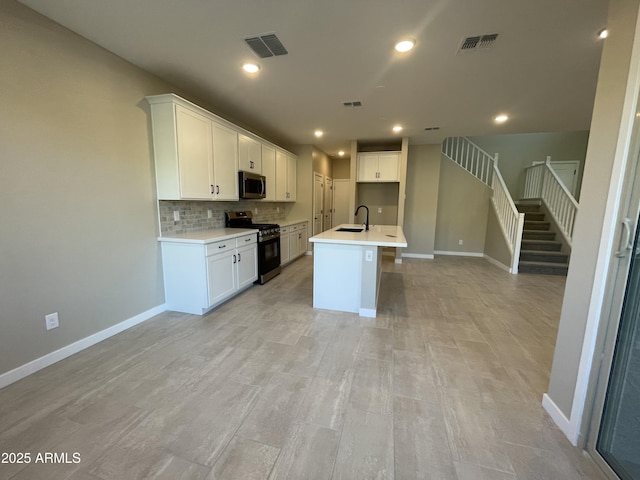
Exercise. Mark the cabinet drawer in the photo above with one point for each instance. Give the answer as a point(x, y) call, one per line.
point(294, 228)
point(221, 246)
point(284, 231)
point(247, 240)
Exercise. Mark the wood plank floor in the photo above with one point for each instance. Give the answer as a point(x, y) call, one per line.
point(445, 384)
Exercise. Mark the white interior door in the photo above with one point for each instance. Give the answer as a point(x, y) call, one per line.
point(568, 173)
point(340, 202)
point(318, 202)
point(328, 203)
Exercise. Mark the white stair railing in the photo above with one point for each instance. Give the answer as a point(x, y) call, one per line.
point(510, 219)
point(541, 182)
point(485, 168)
point(470, 157)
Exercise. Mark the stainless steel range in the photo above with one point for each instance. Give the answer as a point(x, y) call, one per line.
point(268, 243)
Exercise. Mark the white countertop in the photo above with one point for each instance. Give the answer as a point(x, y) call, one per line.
point(379, 235)
point(286, 223)
point(206, 236)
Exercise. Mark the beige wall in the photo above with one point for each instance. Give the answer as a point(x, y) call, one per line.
point(495, 245)
point(79, 214)
point(341, 168)
point(423, 177)
point(463, 203)
point(516, 152)
point(382, 201)
point(614, 111)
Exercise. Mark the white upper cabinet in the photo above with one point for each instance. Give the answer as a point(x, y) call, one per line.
point(225, 163)
point(378, 167)
point(269, 171)
point(195, 154)
point(198, 155)
point(250, 154)
point(286, 177)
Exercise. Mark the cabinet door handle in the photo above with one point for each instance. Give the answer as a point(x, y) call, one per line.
point(234, 259)
point(217, 189)
point(239, 257)
point(247, 239)
point(222, 246)
point(212, 191)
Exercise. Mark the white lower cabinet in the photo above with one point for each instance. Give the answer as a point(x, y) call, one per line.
point(293, 242)
point(199, 277)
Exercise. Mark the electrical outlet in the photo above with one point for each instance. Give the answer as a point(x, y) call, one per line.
point(460, 242)
point(277, 209)
point(368, 255)
point(176, 215)
point(379, 209)
point(51, 321)
point(255, 210)
point(209, 214)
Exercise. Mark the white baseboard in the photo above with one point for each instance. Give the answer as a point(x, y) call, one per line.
point(427, 256)
point(49, 359)
point(459, 254)
point(498, 264)
point(560, 419)
point(367, 312)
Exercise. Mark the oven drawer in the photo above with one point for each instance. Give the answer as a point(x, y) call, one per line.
point(221, 246)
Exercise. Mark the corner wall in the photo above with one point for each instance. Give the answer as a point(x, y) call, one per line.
point(423, 178)
point(79, 213)
point(463, 204)
point(595, 226)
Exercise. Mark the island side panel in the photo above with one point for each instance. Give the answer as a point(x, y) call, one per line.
point(337, 276)
point(371, 272)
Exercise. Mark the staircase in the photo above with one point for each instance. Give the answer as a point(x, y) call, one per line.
point(540, 251)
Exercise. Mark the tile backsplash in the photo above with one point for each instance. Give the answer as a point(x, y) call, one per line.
point(195, 215)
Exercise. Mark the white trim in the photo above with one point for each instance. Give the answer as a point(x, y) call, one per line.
point(367, 312)
point(418, 255)
point(49, 359)
point(459, 254)
point(567, 427)
point(498, 264)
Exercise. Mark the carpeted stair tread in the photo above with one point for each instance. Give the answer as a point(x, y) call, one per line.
point(543, 256)
point(543, 268)
point(542, 245)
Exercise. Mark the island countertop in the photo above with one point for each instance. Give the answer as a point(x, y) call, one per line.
point(378, 235)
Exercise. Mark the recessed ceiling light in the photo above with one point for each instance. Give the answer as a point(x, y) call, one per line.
point(318, 133)
point(397, 128)
point(251, 67)
point(501, 118)
point(604, 33)
point(405, 45)
point(341, 153)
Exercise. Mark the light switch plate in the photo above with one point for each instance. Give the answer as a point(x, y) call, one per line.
point(368, 255)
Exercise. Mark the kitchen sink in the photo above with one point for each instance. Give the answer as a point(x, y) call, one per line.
point(349, 229)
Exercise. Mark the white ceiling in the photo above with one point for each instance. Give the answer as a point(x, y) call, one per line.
point(541, 71)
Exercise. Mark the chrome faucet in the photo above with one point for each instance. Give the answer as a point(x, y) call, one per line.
point(367, 209)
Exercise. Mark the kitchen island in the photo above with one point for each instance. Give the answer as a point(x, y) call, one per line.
point(347, 266)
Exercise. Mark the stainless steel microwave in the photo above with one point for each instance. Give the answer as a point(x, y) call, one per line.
point(252, 185)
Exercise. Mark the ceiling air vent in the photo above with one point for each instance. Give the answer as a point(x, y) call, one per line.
point(357, 103)
point(471, 44)
point(267, 45)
